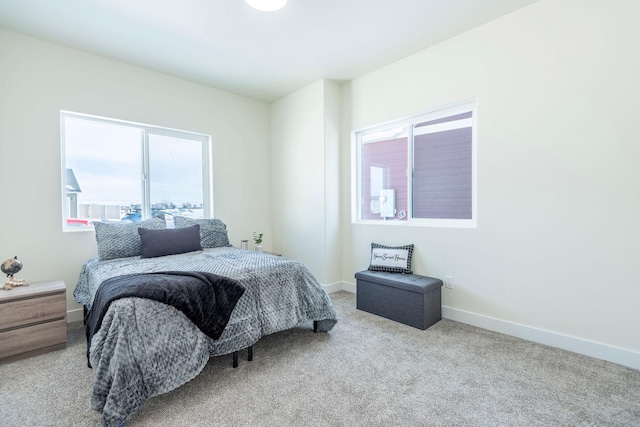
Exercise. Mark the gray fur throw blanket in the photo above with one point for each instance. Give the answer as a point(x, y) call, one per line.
point(205, 298)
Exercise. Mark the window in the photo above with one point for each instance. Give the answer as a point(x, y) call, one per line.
point(419, 170)
point(121, 171)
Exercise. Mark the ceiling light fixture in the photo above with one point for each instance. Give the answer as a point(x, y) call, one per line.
point(267, 5)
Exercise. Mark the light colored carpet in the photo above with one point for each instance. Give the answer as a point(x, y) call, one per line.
point(368, 371)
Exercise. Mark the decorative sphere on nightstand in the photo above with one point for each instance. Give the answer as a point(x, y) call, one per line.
point(11, 266)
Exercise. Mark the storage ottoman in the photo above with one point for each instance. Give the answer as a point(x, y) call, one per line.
point(406, 298)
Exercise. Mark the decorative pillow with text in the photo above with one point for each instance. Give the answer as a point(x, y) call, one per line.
point(392, 259)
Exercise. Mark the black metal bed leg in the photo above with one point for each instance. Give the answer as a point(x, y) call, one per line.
point(235, 359)
point(250, 355)
point(315, 326)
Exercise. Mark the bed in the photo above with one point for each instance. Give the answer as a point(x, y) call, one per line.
point(145, 348)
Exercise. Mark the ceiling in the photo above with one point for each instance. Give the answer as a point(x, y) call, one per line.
point(263, 55)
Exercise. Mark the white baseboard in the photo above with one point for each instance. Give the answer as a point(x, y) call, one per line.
point(594, 349)
point(75, 315)
point(340, 286)
point(349, 287)
point(598, 350)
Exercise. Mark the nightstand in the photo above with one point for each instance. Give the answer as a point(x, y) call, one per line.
point(33, 320)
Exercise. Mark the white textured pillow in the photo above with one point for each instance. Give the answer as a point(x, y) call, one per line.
point(393, 259)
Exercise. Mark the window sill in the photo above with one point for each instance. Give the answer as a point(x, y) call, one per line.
point(436, 223)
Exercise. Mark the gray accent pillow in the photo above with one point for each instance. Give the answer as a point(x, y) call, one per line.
point(213, 232)
point(121, 239)
point(170, 241)
point(392, 259)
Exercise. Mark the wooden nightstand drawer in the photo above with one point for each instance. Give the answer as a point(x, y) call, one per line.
point(32, 310)
point(33, 319)
point(36, 337)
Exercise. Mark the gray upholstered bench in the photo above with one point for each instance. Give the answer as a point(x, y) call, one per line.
point(406, 298)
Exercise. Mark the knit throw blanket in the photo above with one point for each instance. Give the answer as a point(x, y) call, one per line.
point(205, 298)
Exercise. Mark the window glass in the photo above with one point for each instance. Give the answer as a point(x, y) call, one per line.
point(122, 171)
point(384, 175)
point(442, 166)
point(419, 170)
point(175, 175)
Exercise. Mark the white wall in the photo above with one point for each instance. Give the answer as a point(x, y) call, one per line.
point(305, 163)
point(38, 79)
point(557, 247)
point(333, 232)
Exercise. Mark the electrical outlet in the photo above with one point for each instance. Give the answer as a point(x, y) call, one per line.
point(448, 282)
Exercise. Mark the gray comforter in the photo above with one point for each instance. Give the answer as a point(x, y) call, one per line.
point(145, 348)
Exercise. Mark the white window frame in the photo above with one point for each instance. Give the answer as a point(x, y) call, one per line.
point(409, 122)
point(207, 162)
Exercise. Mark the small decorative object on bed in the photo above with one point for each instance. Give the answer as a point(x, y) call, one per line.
point(257, 238)
point(144, 347)
point(392, 259)
point(10, 267)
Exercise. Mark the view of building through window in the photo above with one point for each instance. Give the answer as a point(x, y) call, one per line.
point(120, 171)
point(384, 168)
point(419, 170)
